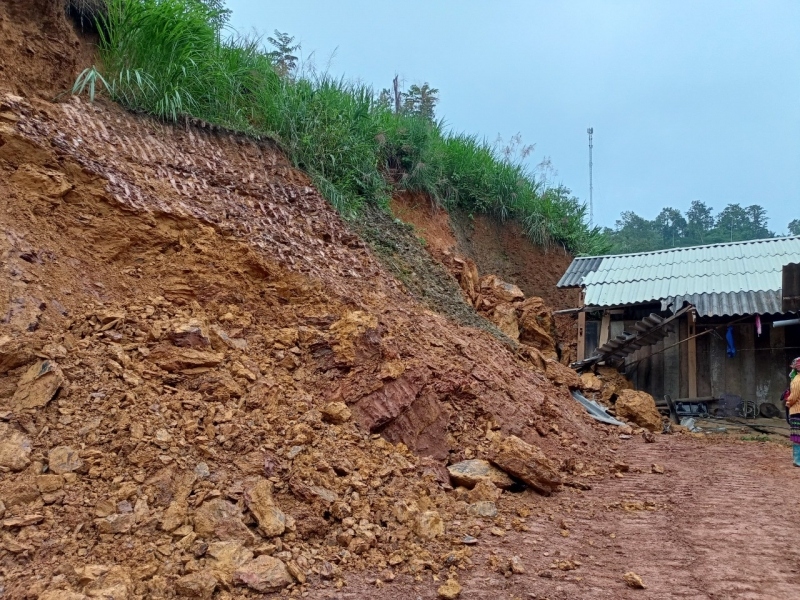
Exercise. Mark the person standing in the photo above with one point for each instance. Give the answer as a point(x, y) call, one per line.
point(793, 404)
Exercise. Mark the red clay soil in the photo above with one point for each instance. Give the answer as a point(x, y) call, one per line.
point(431, 223)
point(496, 248)
point(41, 61)
point(499, 249)
point(717, 524)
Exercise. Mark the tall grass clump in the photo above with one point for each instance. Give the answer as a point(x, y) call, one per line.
point(330, 129)
point(168, 58)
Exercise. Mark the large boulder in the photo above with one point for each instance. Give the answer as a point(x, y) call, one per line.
point(591, 382)
point(536, 325)
point(613, 383)
point(526, 462)
point(505, 317)
point(640, 408)
point(468, 473)
point(497, 291)
point(270, 518)
point(562, 375)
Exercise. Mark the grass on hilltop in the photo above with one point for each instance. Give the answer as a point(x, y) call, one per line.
point(167, 58)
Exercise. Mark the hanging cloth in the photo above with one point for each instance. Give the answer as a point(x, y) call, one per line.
point(729, 338)
point(758, 325)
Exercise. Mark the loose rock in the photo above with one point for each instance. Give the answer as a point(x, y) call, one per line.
point(640, 408)
point(271, 521)
point(482, 509)
point(263, 574)
point(525, 462)
point(336, 412)
point(633, 580)
point(15, 448)
point(468, 473)
point(429, 525)
point(196, 585)
point(38, 385)
point(63, 459)
point(450, 590)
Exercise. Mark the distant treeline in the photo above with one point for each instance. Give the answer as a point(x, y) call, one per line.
point(698, 226)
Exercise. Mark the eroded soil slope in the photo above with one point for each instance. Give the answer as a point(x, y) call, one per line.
point(201, 366)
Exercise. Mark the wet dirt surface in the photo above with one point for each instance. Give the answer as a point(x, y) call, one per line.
point(713, 526)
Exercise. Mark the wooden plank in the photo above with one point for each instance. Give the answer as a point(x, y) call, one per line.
point(770, 372)
point(716, 364)
point(683, 328)
point(691, 354)
point(658, 369)
point(704, 365)
point(746, 353)
point(605, 327)
point(672, 364)
point(581, 350)
point(734, 367)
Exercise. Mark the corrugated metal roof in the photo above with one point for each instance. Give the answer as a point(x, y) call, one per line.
point(726, 279)
point(579, 268)
point(729, 304)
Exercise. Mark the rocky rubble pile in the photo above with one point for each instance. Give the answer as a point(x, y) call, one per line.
point(610, 387)
point(151, 431)
point(528, 321)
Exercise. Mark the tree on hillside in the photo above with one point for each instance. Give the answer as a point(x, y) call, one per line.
point(735, 223)
point(794, 227)
point(634, 234)
point(283, 58)
point(699, 222)
point(671, 224)
point(421, 101)
point(220, 15)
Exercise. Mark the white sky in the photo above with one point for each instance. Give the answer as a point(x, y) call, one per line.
point(688, 100)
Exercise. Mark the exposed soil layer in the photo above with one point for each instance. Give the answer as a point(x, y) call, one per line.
point(42, 60)
point(499, 249)
point(715, 525)
point(496, 248)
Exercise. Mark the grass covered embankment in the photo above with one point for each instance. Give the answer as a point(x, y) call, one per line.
point(168, 59)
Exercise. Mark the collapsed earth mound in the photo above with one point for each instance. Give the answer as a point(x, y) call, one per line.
point(210, 386)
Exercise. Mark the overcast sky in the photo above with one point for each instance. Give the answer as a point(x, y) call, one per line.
point(689, 100)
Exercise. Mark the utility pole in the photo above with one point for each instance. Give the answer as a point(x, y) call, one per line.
point(590, 131)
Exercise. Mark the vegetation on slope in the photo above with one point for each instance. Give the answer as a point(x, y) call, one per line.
point(168, 58)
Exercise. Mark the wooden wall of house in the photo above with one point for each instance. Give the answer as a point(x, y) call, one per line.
point(757, 372)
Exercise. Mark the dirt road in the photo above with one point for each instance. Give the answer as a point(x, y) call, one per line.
point(712, 526)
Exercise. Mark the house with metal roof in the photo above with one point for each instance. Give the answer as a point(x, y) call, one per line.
point(713, 322)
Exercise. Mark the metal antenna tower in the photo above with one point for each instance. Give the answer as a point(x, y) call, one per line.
point(590, 131)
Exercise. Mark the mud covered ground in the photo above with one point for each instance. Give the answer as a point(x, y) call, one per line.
point(715, 525)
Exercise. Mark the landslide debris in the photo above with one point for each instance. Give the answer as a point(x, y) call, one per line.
point(210, 386)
